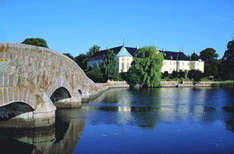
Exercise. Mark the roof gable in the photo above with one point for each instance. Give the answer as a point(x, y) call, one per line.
point(123, 53)
point(170, 55)
point(116, 50)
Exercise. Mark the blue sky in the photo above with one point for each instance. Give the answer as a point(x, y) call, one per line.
point(75, 25)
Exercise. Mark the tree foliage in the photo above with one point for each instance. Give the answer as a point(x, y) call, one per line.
point(146, 65)
point(36, 42)
point(109, 66)
point(228, 62)
point(95, 74)
point(196, 75)
point(133, 77)
point(174, 74)
point(181, 74)
point(69, 55)
point(93, 50)
point(81, 60)
point(165, 74)
point(194, 56)
point(209, 56)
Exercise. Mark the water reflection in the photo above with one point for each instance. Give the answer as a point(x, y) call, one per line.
point(145, 107)
point(63, 138)
point(166, 120)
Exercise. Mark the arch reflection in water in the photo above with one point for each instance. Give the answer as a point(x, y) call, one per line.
point(61, 138)
point(11, 110)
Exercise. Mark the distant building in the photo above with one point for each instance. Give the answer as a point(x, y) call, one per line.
point(173, 61)
point(124, 57)
point(176, 61)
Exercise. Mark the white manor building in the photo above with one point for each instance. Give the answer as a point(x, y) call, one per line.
point(173, 61)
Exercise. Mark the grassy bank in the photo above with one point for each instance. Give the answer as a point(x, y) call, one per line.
point(223, 84)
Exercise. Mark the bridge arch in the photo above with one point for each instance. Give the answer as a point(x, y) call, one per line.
point(60, 83)
point(60, 94)
point(32, 75)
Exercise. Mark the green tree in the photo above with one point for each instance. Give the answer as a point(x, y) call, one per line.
point(174, 74)
point(81, 60)
point(196, 75)
point(69, 55)
point(186, 74)
point(132, 77)
point(93, 50)
point(194, 56)
point(191, 74)
point(95, 74)
point(147, 65)
point(109, 66)
point(36, 42)
point(209, 56)
point(165, 74)
point(228, 62)
point(181, 74)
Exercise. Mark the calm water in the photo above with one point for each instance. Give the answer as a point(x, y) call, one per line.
point(166, 120)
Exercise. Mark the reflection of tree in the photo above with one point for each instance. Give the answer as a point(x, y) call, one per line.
point(131, 106)
point(230, 123)
point(148, 115)
point(11, 146)
point(68, 130)
point(229, 117)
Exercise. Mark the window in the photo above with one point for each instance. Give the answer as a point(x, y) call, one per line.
point(122, 66)
point(127, 65)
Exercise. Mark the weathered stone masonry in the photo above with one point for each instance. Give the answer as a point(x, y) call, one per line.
point(32, 74)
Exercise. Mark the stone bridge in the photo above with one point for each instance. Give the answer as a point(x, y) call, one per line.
point(34, 80)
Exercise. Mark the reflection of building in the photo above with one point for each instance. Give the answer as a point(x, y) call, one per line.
point(173, 61)
point(186, 103)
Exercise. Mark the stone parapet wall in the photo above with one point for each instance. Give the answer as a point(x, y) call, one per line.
point(169, 83)
point(188, 84)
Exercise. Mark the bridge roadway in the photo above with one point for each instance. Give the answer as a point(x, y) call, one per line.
point(34, 80)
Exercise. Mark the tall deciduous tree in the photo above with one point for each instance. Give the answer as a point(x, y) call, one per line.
point(95, 74)
point(209, 56)
point(228, 61)
point(109, 65)
point(93, 50)
point(36, 42)
point(147, 65)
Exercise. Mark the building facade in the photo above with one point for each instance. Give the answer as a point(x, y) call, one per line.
point(176, 61)
point(173, 61)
